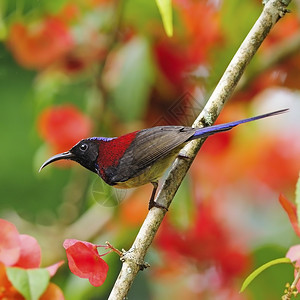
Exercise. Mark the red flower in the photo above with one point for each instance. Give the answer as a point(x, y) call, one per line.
point(294, 255)
point(85, 261)
point(294, 252)
point(22, 251)
point(203, 30)
point(191, 45)
point(30, 252)
point(289, 27)
point(172, 61)
point(63, 126)
point(9, 243)
point(205, 242)
point(291, 211)
point(37, 45)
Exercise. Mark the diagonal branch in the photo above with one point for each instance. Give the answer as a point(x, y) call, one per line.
point(134, 258)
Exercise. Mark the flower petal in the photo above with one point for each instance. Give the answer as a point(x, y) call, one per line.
point(9, 243)
point(290, 209)
point(294, 253)
point(4, 282)
point(70, 242)
point(30, 254)
point(53, 292)
point(53, 268)
point(85, 262)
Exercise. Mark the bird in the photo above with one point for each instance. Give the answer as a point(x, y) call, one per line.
point(142, 156)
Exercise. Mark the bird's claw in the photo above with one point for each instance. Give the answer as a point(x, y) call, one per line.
point(155, 204)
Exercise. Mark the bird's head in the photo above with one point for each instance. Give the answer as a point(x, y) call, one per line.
point(84, 152)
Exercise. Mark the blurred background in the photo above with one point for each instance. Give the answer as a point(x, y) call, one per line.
point(74, 69)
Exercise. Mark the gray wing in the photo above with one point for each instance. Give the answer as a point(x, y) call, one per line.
point(148, 146)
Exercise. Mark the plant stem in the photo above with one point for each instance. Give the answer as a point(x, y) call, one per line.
point(110, 246)
point(292, 290)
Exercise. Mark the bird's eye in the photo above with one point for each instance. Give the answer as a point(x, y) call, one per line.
point(83, 147)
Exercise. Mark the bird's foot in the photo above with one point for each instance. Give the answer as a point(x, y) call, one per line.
point(144, 266)
point(183, 156)
point(152, 203)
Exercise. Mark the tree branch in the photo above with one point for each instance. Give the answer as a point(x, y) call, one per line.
point(134, 258)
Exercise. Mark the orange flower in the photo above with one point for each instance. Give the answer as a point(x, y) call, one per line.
point(39, 44)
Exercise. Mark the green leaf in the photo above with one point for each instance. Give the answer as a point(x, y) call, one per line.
point(234, 28)
point(135, 78)
point(297, 195)
point(165, 9)
point(255, 273)
point(53, 6)
point(3, 26)
point(31, 283)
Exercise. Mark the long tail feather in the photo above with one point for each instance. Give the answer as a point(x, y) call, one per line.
point(207, 131)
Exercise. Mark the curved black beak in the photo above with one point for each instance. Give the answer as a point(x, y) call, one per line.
point(64, 155)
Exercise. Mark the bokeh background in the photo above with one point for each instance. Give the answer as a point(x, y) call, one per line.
point(74, 69)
